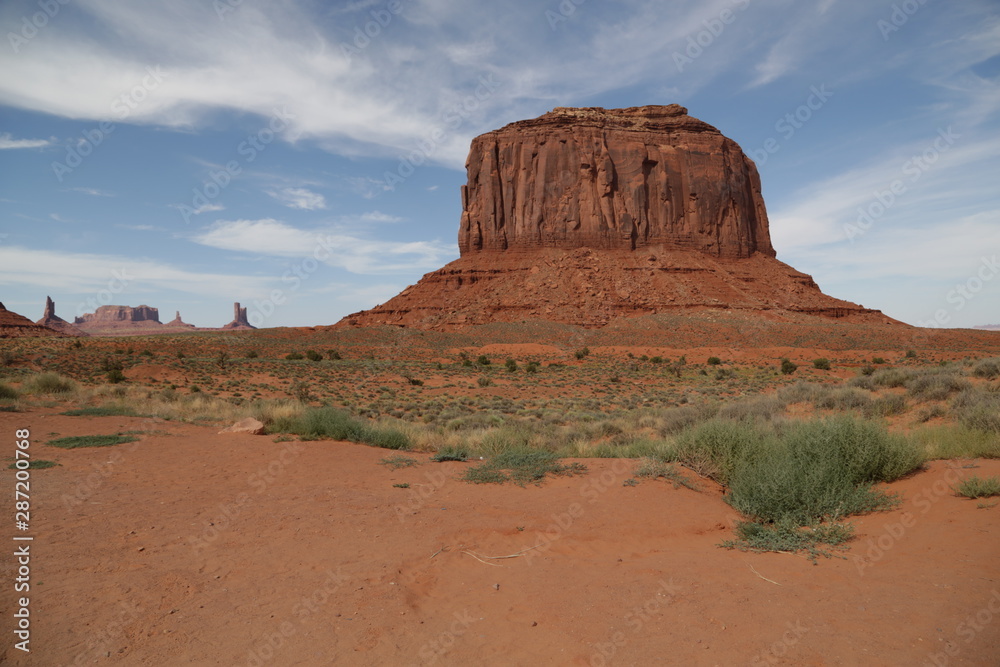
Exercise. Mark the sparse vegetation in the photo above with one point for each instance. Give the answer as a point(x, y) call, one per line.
point(521, 466)
point(78, 441)
point(822, 364)
point(787, 367)
point(977, 487)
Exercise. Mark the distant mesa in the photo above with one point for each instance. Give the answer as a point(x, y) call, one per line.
point(177, 322)
point(239, 319)
point(13, 325)
point(53, 321)
point(586, 215)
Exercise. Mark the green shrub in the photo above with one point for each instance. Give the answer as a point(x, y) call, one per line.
point(715, 448)
point(101, 411)
point(886, 406)
point(7, 392)
point(975, 487)
point(582, 352)
point(484, 381)
point(656, 360)
point(313, 355)
point(511, 366)
point(333, 424)
point(294, 356)
point(654, 469)
point(910, 354)
point(788, 536)
point(714, 361)
point(252, 354)
point(822, 469)
point(936, 385)
point(844, 398)
point(878, 360)
point(867, 369)
point(48, 383)
point(78, 441)
point(521, 465)
point(36, 464)
point(483, 360)
point(333, 354)
point(532, 367)
point(822, 364)
point(451, 453)
point(987, 368)
point(787, 367)
point(397, 462)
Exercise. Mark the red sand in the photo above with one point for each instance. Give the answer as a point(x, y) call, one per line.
point(191, 547)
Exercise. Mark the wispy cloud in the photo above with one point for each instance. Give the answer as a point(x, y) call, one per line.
point(331, 246)
point(299, 198)
point(93, 192)
point(7, 142)
point(59, 218)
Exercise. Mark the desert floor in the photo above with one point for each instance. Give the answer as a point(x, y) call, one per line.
point(189, 547)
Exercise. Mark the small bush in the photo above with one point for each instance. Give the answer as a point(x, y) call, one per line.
point(483, 360)
point(878, 360)
point(787, 536)
point(294, 356)
point(334, 355)
point(987, 368)
point(654, 469)
point(714, 361)
point(716, 447)
point(48, 383)
point(330, 423)
point(910, 354)
point(397, 462)
point(532, 367)
point(787, 367)
point(36, 464)
point(822, 364)
point(582, 352)
point(975, 487)
point(511, 366)
point(313, 355)
point(936, 385)
point(252, 354)
point(78, 441)
point(656, 360)
point(101, 411)
point(521, 465)
point(867, 369)
point(7, 392)
point(451, 453)
point(484, 381)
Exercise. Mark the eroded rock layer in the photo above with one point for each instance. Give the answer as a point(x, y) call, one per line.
point(612, 178)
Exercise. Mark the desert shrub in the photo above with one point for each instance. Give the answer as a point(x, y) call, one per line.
point(484, 381)
point(821, 469)
point(867, 369)
point(452, 453)
point(978, 410)
point(885, 406)
point(656, 360)
point(725, 374)
point(764, 407)
point(936, 385)
point(8, 357)
point(294, 356)
point(313, 355)
point(521, 465)
point(397, 462)
point(911, 354)
point(714, 361)
point(333, 354)
point(36, 464)
point(717, 447)
point(891, 377)
point(788, 536)
point(333, 424)
point(7, 392)
point(48, 383)
point(101, 411)
point(987, 368)
point(976, 487)
point(483, 360)
point(801, 392)
point(510, 365)
point(252, 354)
point(651, 468)
point(878, 360)
point(78, 441)
point(582, 352)
point(532, 367)
point(787, 367)
point(822, 364)
point(844, 398)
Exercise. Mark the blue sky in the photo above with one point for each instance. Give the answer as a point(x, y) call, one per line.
point(305, 158)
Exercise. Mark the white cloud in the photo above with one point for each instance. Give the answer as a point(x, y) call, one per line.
point(378, 216)
point(299, 198)
point(59, 218)
point(333, 247)
point(93, 192)
point(7, 142)
point(86, 273)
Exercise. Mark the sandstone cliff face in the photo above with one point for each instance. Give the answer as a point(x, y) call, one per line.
point(53, 321)
point(239, 319)
point(612, 178)
point(108, 314)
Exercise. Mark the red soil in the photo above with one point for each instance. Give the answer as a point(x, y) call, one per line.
point(191, 547)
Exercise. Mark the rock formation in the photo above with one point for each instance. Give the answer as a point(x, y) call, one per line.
point(13, 325)
point(106, 314)
point(616, 179)
point(585, 215)
point(53, 321)
point(239, 319)
point(178, 323)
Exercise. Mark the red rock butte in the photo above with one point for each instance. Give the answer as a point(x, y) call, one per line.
point(584, 215)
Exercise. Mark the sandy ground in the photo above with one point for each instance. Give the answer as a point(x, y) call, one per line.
point(194, 548)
